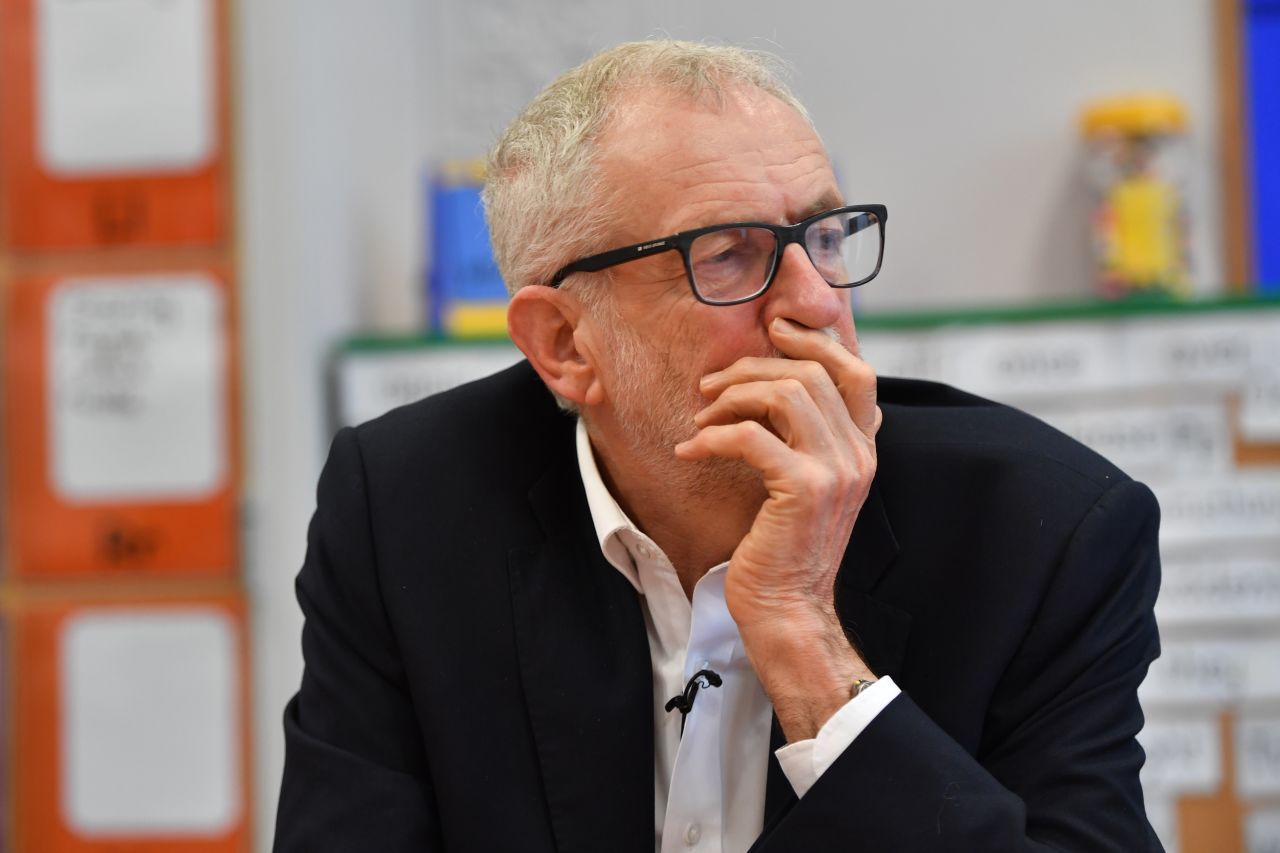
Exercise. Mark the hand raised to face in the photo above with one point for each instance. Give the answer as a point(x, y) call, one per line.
point(808, 423)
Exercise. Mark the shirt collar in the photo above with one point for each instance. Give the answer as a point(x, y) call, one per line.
point(609, 519)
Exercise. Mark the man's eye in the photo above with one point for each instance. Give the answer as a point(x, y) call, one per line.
point(728, 255)
point(723, 247)
point(827, 240)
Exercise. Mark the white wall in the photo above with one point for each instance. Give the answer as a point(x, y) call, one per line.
point(328, 167)
point(959, 116)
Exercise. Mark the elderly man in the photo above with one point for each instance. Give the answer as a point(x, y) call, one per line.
point(728, 593)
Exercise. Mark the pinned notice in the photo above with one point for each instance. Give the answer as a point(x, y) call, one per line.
point(150, 728)
point(1258, 755)
point(1262, 832)
point(1183, 756)
point(119, 413)
point(1212, 673)
point(1245, 506)
point(124, 85)
point(133, 717)
point(136, 396)
point(370, 384)
point(113, 123)
point(1221, 586)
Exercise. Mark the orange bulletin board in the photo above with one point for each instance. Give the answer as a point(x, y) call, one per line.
point(133, 723)
point(126, 148)
point(120, 421)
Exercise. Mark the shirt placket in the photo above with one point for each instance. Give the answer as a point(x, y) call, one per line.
point(694, 819)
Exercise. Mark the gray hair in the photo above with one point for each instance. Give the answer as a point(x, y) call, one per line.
point(543, 198)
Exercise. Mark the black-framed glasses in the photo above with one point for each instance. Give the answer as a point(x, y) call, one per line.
point(736, 262)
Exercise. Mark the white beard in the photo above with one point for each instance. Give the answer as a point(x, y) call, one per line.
point(655, 399)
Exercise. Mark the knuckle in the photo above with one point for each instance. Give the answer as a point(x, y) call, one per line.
point(791, 389)
point(863, 373)
point(812, 371)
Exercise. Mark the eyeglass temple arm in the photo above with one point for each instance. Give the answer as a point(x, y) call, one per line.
point(613, 257)
point(861, 222)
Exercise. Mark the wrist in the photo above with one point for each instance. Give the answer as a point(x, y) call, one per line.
point(808, 669)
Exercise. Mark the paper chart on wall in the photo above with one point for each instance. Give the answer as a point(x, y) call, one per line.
point(1183, 756)
point(125, 85)
point(1211, 673)
point(1225, 586)
point(1258, 756)
point(911, 355)
point(1260, 406)
point(1222, 350)
point(136, 382)
point(1245, 506)
point(1146, 441)
point(1262, 832)
point(1033, 361)
point(370, 384)
point(151, 727)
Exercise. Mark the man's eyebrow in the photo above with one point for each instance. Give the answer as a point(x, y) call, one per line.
point(826, 201)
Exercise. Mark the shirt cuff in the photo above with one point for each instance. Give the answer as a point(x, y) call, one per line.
point(805, 760)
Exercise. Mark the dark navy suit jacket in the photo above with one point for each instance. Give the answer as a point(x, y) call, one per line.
point(478, 679)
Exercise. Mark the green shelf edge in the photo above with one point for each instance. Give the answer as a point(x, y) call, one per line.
point(905, 320)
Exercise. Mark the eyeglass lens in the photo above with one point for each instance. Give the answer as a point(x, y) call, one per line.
point(735, 263)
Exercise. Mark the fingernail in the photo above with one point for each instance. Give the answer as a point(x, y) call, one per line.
point(784, 326)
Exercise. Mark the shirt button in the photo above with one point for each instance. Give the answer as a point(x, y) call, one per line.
point(692, 834)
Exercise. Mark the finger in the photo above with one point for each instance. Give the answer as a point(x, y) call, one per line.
point(813, 376)
point(783, 405)
point(854, 378)
point(786, 473)
point(745, 440)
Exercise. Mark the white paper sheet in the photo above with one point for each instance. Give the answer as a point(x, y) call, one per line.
point(913, 354)
point(1034, 360)
point(1258, 756)
point(136, 379)
point(124, 85)
point(1209, 673)
point(1262, 831)
point(151, 722)
point(1183, 756)
point(370, 383)
point(1226, 509)
point(1260, 405)
point(1227, 586)
point(1176, 439)
point(1208, 349)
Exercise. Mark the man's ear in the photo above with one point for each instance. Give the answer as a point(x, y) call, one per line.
point(545, 324)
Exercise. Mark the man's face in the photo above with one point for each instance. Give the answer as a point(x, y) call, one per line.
point(679, 165)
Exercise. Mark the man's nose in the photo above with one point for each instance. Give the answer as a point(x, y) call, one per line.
point(800, 293)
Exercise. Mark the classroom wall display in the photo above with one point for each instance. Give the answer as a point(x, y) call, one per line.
point(1184, 396)
point(113, 123)
point(120, 423)
point(133, 716)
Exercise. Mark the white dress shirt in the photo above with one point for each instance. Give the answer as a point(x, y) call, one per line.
point(709, 785)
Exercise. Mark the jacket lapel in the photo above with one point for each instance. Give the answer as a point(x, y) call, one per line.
point(584, 662)
point(878, 630)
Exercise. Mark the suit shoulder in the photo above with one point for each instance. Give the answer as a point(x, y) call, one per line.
point(945, 425)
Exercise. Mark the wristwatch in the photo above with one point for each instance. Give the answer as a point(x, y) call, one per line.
point(860, 685)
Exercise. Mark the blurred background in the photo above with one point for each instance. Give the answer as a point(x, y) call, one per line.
point(229, 227)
